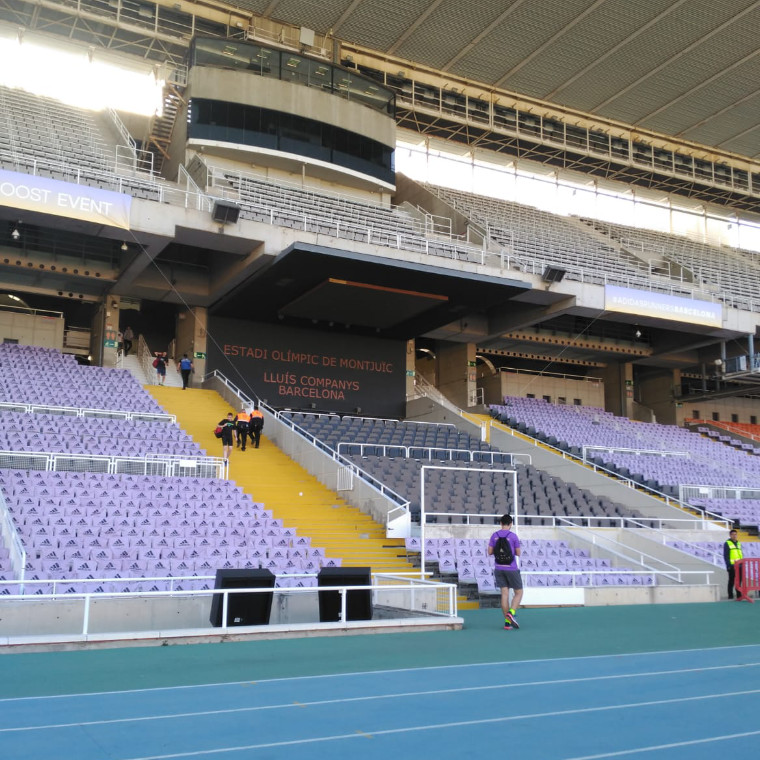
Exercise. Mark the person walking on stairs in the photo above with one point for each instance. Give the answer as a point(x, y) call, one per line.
point(241, 427)
point(256, 424)
point(185, 367)
point(228, 426)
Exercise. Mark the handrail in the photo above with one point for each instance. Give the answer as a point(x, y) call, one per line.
point(629, 554)
point(366, 477)
point(623, 450)
point(717, 559)
point(169, 465)
point(78, 411)
point(474, 455)
point(370, 419)
point(713, 517)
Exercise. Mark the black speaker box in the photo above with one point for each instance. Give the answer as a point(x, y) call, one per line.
point(225, 213)
point(553, 274)
point(358, 602)
point(243, 609)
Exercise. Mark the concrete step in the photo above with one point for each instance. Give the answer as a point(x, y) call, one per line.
point(292, 494)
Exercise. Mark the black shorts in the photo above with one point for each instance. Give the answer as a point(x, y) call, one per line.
point(507, 579)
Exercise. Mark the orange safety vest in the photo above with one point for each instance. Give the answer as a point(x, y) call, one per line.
point(243, 417)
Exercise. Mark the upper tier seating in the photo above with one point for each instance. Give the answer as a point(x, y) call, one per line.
point(45, 137)
point(35, 375)
point(534, 235)
point(51, 130)
point(260, 197)
point(116, 527)
point(718, 267)
point(91, 435)
point(680, 457)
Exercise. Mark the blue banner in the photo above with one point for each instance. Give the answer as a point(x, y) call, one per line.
point(646, 303)
point(51, 196)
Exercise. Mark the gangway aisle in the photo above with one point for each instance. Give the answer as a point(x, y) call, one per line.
point(292, 494)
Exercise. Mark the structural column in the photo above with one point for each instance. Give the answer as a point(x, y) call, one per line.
point(457, 376)
point(191, 339)
point(104, 336)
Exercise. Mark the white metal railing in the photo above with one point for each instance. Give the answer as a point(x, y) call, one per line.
point(663, 536)
point(76, 411)
point(701, 522)
point(627, 553)
point(622, 450)
point(544, 373)
point(687, 491)
point(346, 468)
point(428, 453)
point(167, 465)
point(12, 540)
point(409, 596)
point(425, 514)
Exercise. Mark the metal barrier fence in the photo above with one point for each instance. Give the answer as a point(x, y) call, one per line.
point(166, 465)
point(78, 411)
point(431, 453)
point(747, 578)
point(104, 615)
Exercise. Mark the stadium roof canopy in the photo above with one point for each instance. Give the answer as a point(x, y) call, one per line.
point(683, 68)
point(686, 68)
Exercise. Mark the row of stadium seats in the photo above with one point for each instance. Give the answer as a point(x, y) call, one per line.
point(91, 435)
point(34, 375)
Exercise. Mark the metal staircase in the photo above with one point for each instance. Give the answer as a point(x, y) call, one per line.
point(162, 127)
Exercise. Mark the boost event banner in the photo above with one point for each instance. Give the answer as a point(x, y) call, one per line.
point(295, 369)
point(50, 196)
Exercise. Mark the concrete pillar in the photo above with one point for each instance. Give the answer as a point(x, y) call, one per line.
point(191, 339)
point(104, 340)
point(410, 367)
point(457, 375)
point(618, 388)
point(751, 350)
point(655, 391)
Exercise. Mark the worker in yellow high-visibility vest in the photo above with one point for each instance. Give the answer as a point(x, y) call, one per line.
point(732, 553)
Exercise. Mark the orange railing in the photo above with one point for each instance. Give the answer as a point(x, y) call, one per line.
point(747, 577)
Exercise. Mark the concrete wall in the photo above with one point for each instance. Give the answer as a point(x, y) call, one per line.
point(655, 390)
point(31, 329)
point(277, 95)
point(589, 393)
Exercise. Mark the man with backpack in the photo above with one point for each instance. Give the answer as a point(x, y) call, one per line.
point(504, 545)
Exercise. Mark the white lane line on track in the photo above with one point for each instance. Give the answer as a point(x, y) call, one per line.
point(672, 745)
point(390, 671)
point(369, 698)
point(456, 724)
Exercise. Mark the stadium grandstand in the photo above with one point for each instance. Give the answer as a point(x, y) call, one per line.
point(465, 264)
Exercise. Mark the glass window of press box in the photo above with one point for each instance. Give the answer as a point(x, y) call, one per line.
point(292, 67)
point(264, 128)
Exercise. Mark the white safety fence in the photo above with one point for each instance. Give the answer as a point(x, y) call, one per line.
point(152, 614)
point(166, 465)
point(78, 411)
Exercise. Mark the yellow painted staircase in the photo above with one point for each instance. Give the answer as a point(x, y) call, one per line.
point(293, 495)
